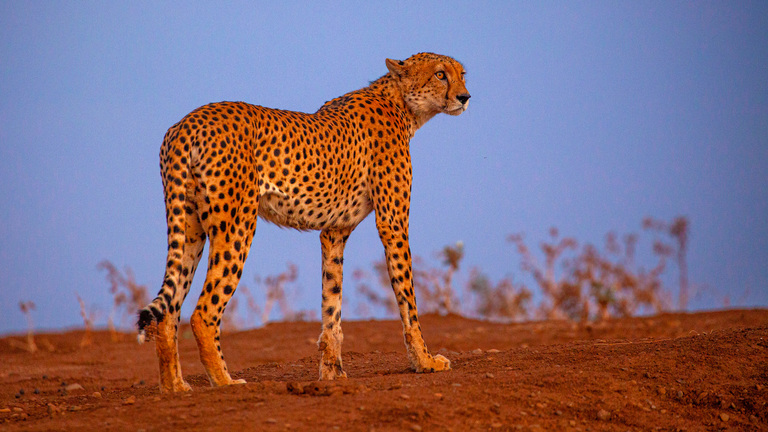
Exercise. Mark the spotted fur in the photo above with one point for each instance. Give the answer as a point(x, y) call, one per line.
point(226, 163)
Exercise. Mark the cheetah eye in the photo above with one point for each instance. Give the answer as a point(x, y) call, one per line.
point(440, 75)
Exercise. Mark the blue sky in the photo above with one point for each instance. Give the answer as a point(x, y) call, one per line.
point(587, 116)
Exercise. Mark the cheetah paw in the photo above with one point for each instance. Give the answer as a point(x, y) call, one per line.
point(180, 386)
point(435, 364)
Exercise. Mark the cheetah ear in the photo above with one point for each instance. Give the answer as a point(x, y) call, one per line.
point(397, 67)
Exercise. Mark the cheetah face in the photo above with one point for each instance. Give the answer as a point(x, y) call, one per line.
point(431, 84)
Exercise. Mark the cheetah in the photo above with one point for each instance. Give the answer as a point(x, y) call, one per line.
point(226, 163)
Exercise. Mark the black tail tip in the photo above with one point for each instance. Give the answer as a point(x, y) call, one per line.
point(145, 318)
point(147, 315)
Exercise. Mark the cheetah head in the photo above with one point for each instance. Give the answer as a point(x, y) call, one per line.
point(431, 84)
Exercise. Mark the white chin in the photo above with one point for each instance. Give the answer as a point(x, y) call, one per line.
point(456, 111)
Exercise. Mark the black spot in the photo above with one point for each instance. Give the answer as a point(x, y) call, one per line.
point(214, 299)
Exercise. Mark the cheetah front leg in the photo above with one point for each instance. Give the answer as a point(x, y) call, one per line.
point(394, 236)
point(332, 243)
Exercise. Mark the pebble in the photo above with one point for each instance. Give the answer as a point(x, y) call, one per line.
point(477, 351)
point(493, 351)
point(73, 387)
point(724, 417)
point(130, 400)
point(603, 415)
point(416, 427)
point(271, 421)
point(96, 394)
point(439, 395)
point(489, 375)
point(404, 396)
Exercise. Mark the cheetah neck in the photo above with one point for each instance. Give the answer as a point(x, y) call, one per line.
point(388, 87)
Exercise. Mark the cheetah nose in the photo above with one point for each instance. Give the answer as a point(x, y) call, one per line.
point(463, 98)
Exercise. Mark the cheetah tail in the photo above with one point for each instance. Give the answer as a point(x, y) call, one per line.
point(147, 316)
point(176, 181)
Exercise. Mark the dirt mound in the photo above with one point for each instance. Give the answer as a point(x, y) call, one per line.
point(704, 371)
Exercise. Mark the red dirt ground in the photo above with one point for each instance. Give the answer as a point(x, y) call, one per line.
point(674, 372)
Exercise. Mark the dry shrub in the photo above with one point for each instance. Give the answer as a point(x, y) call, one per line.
point(503, 301)
point(128, 297)
point(26, 308)
point(279, 289)
point(562, 301)
point(371, 292)
point(594, 284)
point(88, 319)
point(576, 283)
point(678, 231)
point(434, 285)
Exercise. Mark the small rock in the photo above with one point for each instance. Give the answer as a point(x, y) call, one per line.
point(37, 391)
point(96, 394)
point(416, 427)
point(724, 417)
point(496, 408)
point(5, 410)
point(603, 415)
point(271, 421)
point(130, 400)
point(404, 396)
point(493, 351)
point(489, 375)
point(17, 409)
point(74, 408)
point(661, 391)
point(496, 425)
point(73, 387)
point(477, 351)
point(439, 396)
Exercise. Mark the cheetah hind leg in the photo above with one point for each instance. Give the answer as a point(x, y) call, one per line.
point(171, 380)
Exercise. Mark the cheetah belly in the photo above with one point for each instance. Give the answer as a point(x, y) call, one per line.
point(278, 207)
